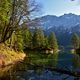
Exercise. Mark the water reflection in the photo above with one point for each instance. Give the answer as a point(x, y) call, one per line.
point(34, 66)
point(45, 75)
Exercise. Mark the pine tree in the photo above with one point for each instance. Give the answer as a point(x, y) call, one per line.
point(52, 41)
point(35, 39)
point(38, 38)
point(42, 38)
point(75, 41)
point(46, 42)
point(18, 40)
point(27, 38)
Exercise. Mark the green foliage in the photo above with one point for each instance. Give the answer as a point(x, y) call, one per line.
point(4, 10)
point(23, 38)
point(75, 41)
point(18, 43)
point(16, 40)
point(38, 38)
point(27, 38)
point(46, 42)
point(12, 14)
point(11, 18)
point(52, 41)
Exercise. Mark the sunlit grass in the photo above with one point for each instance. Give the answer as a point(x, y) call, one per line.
point(9, 55)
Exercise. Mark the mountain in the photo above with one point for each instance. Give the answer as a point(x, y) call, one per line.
point(63, 26)
point(64, 34)
point(66, 20)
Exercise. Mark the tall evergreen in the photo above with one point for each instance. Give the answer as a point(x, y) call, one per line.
point(27, 38)
point(16, 40)
point(38, 38)
point(42, 38)
point(52, 41)
point(75, 41)
point(19, 40)
point(46, 42)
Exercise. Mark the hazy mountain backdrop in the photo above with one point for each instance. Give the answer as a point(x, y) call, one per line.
point(63, 26)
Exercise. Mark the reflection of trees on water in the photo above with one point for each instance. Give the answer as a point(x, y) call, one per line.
point(65, 71)
point(49, 67)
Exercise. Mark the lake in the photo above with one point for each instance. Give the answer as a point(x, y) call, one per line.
point(35, 66)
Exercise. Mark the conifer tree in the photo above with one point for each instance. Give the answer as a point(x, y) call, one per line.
point(19, 40)
point(38, 38)
point(46, 42)
point(52, 41)
point(27, 38)
point(75, 41)
point(16, 40)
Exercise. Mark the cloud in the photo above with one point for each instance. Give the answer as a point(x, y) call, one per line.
point(77, 2)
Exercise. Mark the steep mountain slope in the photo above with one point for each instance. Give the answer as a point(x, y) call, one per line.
point(63, 26)
point(66, 20)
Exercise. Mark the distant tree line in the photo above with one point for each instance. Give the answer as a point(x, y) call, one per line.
point(24, 38)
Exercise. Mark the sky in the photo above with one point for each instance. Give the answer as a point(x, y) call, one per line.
point(60, 7)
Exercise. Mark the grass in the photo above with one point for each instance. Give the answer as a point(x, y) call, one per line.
point(9, 55)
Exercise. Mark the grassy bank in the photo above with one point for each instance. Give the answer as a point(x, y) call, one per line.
point(9, 56)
